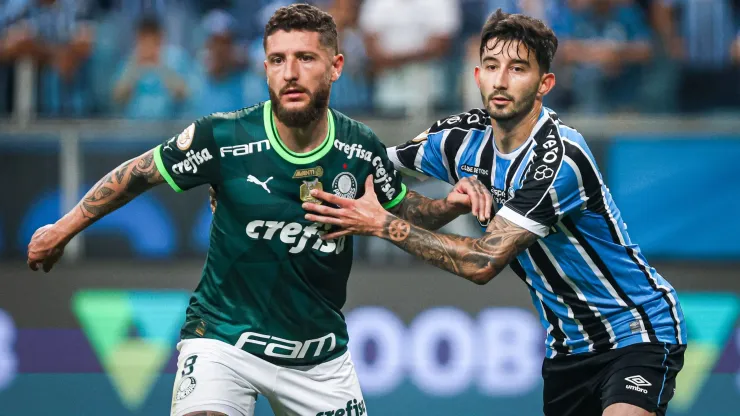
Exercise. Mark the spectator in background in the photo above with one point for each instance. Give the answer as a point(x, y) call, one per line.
point(351, 93)
point(152, 84)
point(218, 83)
point(699, 35)
point(405, 41)
point(608, 44)
point(57, 37)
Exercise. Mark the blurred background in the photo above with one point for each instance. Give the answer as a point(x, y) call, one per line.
point(654, 86)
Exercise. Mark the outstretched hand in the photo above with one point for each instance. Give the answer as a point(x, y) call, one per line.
point(364, 216)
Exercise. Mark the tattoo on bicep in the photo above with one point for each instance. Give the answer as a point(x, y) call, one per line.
point(477, 260)
point(131, 179)
point(424, 212)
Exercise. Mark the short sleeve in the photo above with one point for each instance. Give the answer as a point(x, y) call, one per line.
point(420, 157)
point(432, 153)
point(549, 191)
point(190, 158)
point(387, 180)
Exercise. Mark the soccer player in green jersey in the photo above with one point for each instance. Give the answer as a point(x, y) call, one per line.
point(266, 317)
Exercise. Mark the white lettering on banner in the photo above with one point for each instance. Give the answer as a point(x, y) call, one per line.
point(513, 364)
point(381, 327)
point(500, 351)
point(194, 159)
point(293, 349)
point(245, 149)
point(266, 230)
point(431, 328)
point(8, 360)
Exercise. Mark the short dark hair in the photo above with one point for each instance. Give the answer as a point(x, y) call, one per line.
point(533, 33)
point(149, 24)
point(304, 17)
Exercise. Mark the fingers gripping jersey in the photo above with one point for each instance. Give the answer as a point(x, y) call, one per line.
point(270, 285)
point(592, 286)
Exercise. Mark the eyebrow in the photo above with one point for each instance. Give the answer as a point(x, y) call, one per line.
point(513, 61)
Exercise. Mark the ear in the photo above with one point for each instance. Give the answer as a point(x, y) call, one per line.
point(546, 84)
point(477, 76)
point(337, 65)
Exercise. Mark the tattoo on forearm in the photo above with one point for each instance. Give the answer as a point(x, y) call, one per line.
point(120, 186)
point(475, 259)
point(430, 214)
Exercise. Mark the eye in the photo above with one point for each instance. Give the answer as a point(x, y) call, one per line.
point(517, 69)
point(276, 60)
point(306, 58)
point(490, 67)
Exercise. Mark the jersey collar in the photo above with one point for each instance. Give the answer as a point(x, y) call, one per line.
point(289, 155)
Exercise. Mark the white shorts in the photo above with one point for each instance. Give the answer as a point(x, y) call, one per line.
point(215, 376)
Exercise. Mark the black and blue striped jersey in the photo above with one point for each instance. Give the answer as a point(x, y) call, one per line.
point(593, 288)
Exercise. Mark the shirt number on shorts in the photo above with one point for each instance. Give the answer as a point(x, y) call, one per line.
point(188, 365)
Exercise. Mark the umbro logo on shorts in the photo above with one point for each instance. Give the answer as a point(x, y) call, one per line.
point(638, 381)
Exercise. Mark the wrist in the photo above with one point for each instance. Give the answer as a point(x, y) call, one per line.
point(379, 230)
point(453, 208)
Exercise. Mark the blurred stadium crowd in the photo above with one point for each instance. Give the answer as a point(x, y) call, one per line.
point(170, 59)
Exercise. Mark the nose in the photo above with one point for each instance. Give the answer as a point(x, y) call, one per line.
point(501, 80)
point(291, 70)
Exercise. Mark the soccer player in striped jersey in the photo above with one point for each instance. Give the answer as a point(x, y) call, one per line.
point(616, 335)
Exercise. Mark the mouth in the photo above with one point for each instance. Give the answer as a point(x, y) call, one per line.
point(499, 100)
point(293, 93)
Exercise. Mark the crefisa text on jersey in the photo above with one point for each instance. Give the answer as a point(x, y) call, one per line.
point(194, 159)
point(381, 174)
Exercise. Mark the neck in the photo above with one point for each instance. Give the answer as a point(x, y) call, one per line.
point(303, 139)
point(510, 134)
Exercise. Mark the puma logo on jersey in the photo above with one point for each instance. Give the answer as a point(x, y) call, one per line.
point(252, 179)
point(194, 159)
point(296, 235)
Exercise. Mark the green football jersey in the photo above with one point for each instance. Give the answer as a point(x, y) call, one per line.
point(270, 285)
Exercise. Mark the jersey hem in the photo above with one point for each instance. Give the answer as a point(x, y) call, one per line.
point(162, 170)
point(397, 200)
point(524, 222)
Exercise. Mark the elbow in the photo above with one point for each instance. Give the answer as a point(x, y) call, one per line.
point(482, 276)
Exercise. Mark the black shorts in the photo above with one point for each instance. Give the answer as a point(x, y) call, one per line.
point(643, 375)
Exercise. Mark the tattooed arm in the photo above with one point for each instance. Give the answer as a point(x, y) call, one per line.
point(468, 195)
point(476, 259)
point(117, 188)
point(427, 213)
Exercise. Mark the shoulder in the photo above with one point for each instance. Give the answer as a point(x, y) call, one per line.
point(353, 131)
point(475, 119)
point(255, 112)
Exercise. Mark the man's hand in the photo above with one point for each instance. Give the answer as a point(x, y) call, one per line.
point(212, 199)
point(470, 195)
point(46, 248)
point(364, 216)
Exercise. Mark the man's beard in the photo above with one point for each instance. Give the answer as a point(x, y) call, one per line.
point(519, 107)
point(318, 101)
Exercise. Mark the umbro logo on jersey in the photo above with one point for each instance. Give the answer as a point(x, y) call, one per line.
point(637, 381)
point(254, 180)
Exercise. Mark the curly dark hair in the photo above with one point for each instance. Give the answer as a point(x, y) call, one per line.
point(533, 33)
point(307, 18)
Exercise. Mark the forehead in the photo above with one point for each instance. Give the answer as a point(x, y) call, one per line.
point(293, 41)
point(507, 50)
